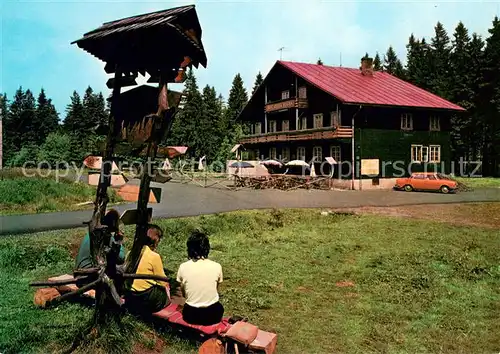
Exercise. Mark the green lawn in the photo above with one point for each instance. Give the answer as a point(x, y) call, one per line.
point(480, 182)
point(418, 286)
point(26, 195)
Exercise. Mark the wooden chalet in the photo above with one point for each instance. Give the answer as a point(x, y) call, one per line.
point(361, 116)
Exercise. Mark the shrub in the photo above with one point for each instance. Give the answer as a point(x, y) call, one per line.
point(56, 149)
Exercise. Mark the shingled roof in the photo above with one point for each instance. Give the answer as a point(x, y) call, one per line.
point(349, 86)
point(143, 43)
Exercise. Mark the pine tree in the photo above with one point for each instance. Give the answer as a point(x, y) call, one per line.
point(460, 92)
point(391, 64)
point(377, 64)
point(74, 123)
point(211, 117)
point(366, 56)
point(319, 62)
point(238, 98)
point(185, 128)
point(476, 55)
point(47, 118)
point(439, 60)
point(258, 81)
point(491, 101)
point(28, 126)
point(12, 125)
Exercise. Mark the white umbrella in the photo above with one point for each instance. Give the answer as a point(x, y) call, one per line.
point(297, 163)
point(271, 163)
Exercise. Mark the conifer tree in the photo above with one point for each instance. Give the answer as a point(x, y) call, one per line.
point(47, 118)
point(476, 55)
point(185, 128)
point(377, 64)
point(258, 81)
point(209, 126)
point(391, 62)
point(491, 101)
point(439, 62)
point(236, 102)
point(74, 123)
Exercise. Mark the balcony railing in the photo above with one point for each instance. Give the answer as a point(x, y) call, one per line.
point(288, 103)
point(295, 135)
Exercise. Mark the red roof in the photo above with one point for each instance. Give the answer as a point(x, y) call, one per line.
point(350, 86)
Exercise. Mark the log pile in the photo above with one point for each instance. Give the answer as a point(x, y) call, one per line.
point(284, 182)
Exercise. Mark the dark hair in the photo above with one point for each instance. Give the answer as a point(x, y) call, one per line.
point(111, 219)
point(159, 232)
point(198, 245)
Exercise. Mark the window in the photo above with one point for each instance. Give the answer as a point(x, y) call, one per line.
point(318, 120)
point(286, 153)
point(335, 153)
point(286, 125)
point(302, 92)
point(272, 153)
point(416, 153)
point(317, 153)
point(434, 124)
point(303, 123)
point(334, 119)
point(257, 128)
point(301, 153)
point(285, 94)
point(419, 153)
point(272, 126)
point(435, 153)
point(406, 121)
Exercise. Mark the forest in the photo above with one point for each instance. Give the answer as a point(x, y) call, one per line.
point(463, 68)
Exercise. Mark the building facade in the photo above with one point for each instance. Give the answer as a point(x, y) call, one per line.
point(369, 122)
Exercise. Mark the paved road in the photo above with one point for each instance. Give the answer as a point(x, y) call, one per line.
point(189, 200)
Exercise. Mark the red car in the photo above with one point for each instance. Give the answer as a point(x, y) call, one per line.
point(426, 181)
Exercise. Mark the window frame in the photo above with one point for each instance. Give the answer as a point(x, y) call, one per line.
point(334, 117)
point(299, 157)
point(316, 118)
point(258, 131)
point(302, 125)
point(317, 157)
point(408, 119)
point(285, 94)
point(417, 158)
point(273, 126)
point(436, 127)
point(283, 157)
point(287, 125)
point(302, 91)
point(437, 152)
point(336, 148)
point(273, 153)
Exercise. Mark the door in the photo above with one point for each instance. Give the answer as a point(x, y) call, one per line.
point(418, 181)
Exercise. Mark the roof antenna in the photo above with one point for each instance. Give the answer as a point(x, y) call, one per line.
point(340, 59)
point(281, 52)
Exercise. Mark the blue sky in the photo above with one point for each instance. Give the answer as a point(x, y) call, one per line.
point(239, 36)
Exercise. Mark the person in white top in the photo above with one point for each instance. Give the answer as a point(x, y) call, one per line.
point(199, 278)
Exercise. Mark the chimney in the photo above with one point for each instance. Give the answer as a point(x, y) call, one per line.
point(366, 66)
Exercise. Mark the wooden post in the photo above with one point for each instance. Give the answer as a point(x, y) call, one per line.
point(265, 113)
point(296, 108)
point(353, 158)
point(162, 120)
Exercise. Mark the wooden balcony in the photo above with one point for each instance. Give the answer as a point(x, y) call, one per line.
point(296, 135)
point(286, 104)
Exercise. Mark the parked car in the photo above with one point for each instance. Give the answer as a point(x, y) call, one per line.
point(426, 181)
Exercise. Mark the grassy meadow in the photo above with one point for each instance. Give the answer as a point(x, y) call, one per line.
point(26, 195)
point(326, 284)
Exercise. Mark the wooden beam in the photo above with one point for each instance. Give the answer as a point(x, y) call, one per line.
point(124, 81)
